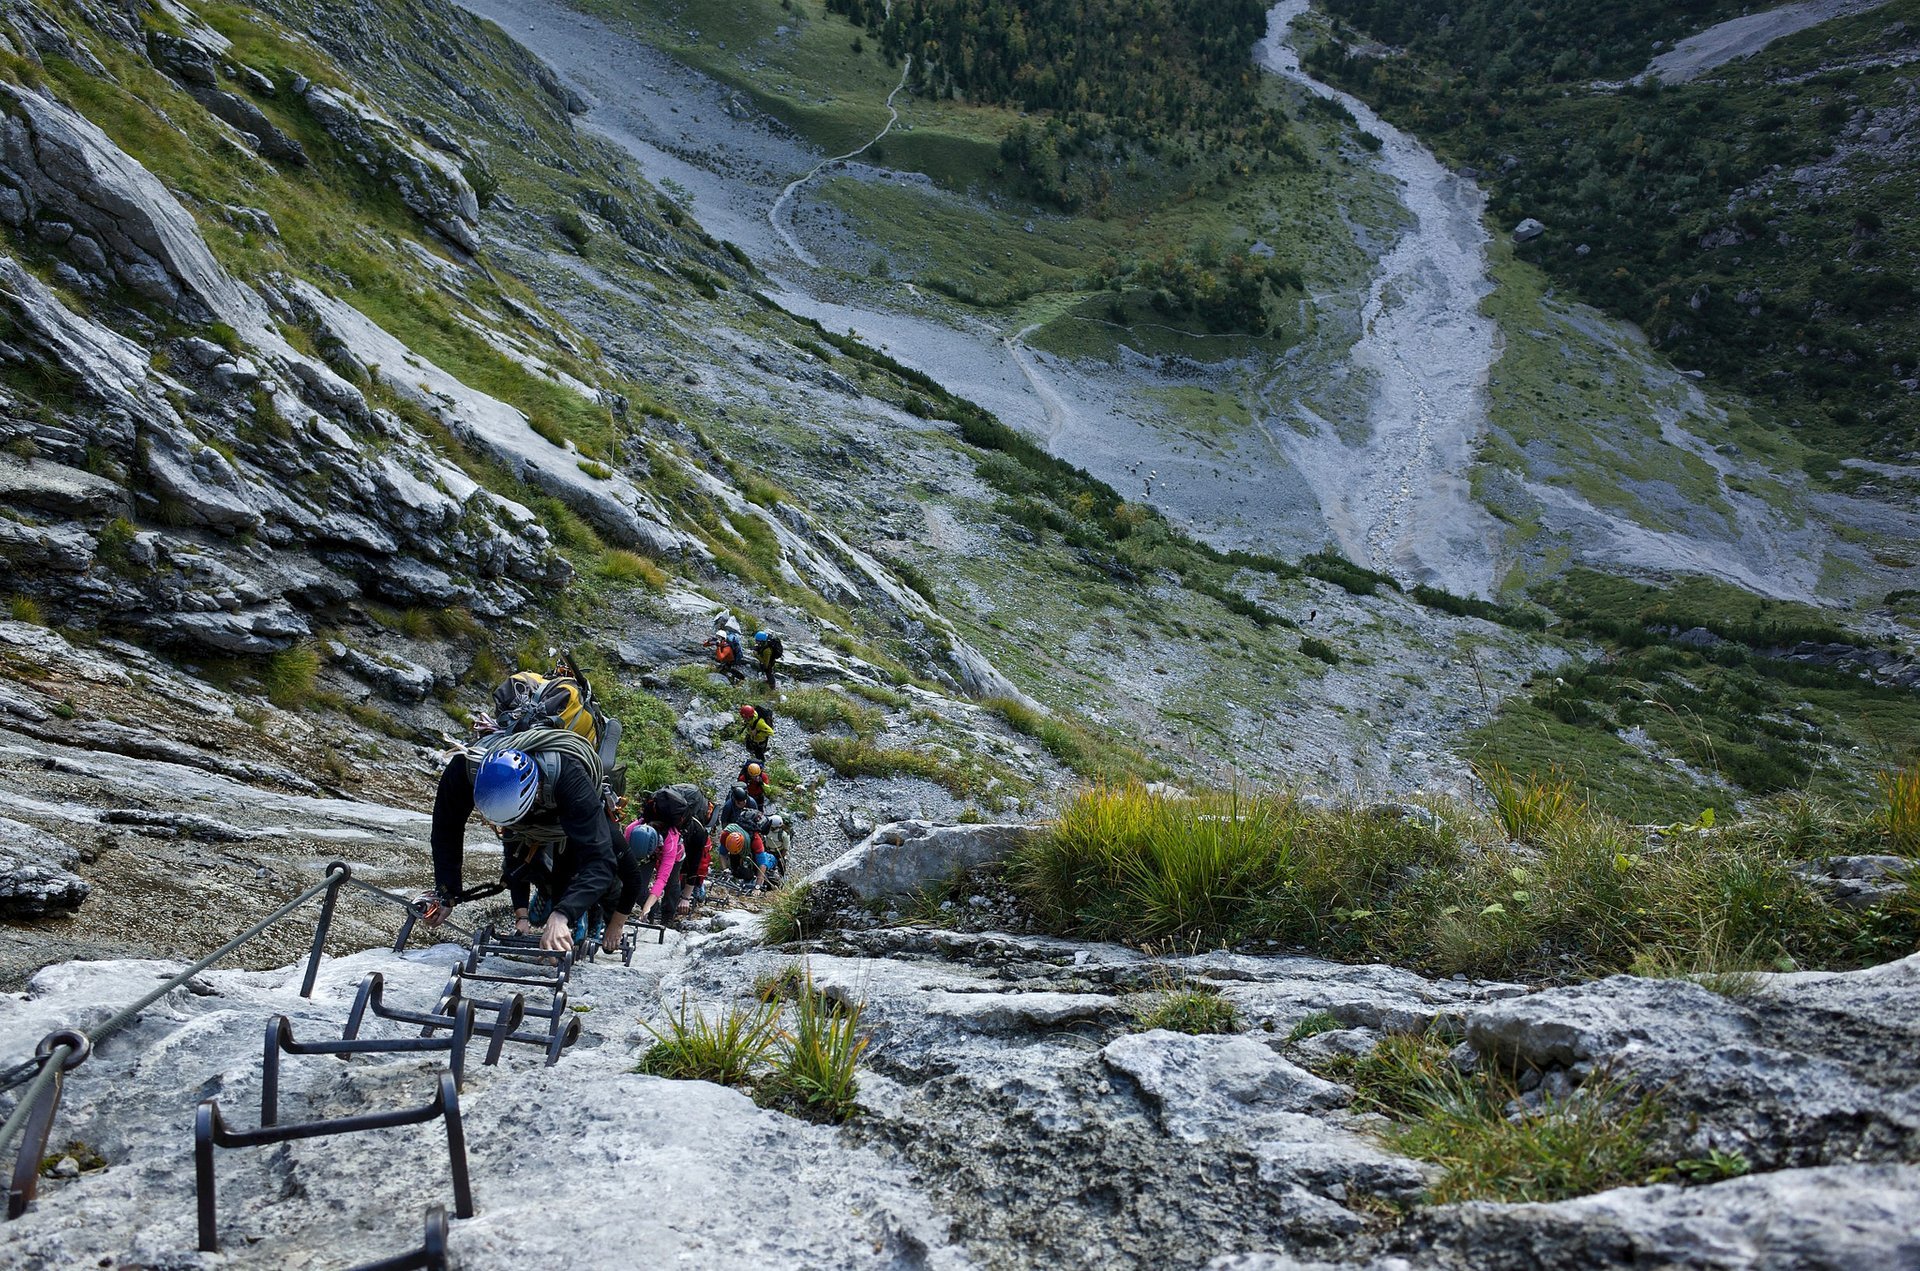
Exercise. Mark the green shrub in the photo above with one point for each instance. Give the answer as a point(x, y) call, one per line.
point(785, 920)
point(725, 1051)
point(1096, 757)
point(1900, 807)
point(26, 609)
point(892, 699)
point(1313, 1025)
point(1191, 1010)
point(1527, 806)
point(619, 565)
point(1314, 647)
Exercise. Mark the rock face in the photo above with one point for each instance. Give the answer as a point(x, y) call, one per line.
point(34, 878)
point(906, 856)
point(1807, 1070)
point(430, 184)
point(1834, 1217)
point(68, 178)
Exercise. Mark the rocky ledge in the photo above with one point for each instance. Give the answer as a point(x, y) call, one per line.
point(1010, 1116)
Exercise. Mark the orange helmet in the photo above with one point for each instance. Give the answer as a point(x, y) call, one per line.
point(755, 773)
point(735, 842)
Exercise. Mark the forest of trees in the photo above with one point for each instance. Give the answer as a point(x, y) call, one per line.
point(1674, 206)
point(1174, 64)
point(1125, 85)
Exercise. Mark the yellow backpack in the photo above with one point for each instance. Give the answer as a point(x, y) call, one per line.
point(532, 700)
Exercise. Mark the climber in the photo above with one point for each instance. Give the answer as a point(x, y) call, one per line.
point(757, 724)
point(728, 653)
point(663, 854)
point(744, 842)
point(753, 776)
point(739, 798)
point(768, 649)
point(679, 815)
point(539, 790)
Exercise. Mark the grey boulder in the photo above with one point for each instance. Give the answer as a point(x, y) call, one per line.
point(904, 857)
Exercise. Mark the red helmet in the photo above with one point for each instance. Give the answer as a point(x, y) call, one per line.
point(747, 712)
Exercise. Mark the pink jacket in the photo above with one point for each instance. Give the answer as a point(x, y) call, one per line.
point(671, 850)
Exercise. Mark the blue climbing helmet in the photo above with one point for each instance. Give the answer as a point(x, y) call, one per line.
point(505, 786)
point(643, 840)
point(761, 637)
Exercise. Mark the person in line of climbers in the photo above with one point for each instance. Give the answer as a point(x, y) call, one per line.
point(756, 723)
point(541, 791)
point(751, 843)
point(739, 799)
point(729, 651)
point(768, 649)
point(677, 816)
point(753, 775)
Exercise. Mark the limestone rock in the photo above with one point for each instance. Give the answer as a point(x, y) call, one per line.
point(1528, 230)
point(430, 184)
point(65, 169)
point(57, 488)
point(903, 857)
point(1805, 1071)
point(1838, 1216)
point(34, 878)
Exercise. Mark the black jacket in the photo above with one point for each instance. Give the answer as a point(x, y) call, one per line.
point(575, 868)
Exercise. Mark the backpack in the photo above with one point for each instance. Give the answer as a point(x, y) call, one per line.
point(676, 805)
point(765, 712)
point(531, 700)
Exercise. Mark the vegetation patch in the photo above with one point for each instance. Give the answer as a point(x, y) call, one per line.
point(1596, 1138)
point(815, 1075)
point(819, 708)
point(1185, 1010)
point(725, 1050)
point(1453, 894)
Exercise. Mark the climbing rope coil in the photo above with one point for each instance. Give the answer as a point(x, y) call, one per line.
point(458, 1013)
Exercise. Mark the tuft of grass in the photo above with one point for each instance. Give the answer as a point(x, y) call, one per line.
point(782, 985)
point(289, 676)
point(784, 921)
point(892, 699)
point(1313, 1025)
point(1527, 806)
point(622, 566)
point(1096, 757)
point(26, 609)
point(818, 708)
point(725, 1051)
point(1488, 1150)
point(1186, 1010)
point(595, 469)
point(1900, 807)
point(815, 1074)
point(1320, 650)
point(1591, 897)
point(962, 777)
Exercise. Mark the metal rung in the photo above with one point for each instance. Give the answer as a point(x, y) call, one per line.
point(280, 1041)
point(373, 987)
point(430, 1256)
point(210, 1130)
